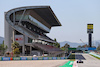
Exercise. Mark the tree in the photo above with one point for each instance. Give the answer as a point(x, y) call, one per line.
point(56, 44)
point(15, 48)
point(3, 48)
point(85, 46)
point(98, 48)
point(65, 47)
point(79, 46)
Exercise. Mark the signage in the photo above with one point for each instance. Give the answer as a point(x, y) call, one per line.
point(19, 39)
point(16, 58)
point(89, 28)
point(5, 58)
point(23, 58)
point(40, 58)
point(45, 58)
point(29, 58)
point(50, 58)
point(54, 58)
point(58, 58)
point(35, 58)
point(62, 58)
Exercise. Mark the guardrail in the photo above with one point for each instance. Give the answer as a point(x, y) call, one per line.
point(31, 58)
point(94, 54)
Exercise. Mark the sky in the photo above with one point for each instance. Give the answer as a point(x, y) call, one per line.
point(74, 15)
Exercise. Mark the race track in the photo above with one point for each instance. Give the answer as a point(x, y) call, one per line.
point(88, 60)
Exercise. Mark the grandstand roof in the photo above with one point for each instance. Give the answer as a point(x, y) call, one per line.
point(48, 15)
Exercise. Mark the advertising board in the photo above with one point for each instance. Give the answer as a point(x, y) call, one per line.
point(89, 28)
point(19, 39)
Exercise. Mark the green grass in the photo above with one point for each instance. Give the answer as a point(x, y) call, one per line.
point(72, 56)
point(95, 57)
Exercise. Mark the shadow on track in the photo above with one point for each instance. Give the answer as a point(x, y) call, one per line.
point(79, 56)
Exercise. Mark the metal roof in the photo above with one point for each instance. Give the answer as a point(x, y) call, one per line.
point(45, 12)
point(48, 15)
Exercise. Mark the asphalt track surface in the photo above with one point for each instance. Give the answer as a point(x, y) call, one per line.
point(89, 61)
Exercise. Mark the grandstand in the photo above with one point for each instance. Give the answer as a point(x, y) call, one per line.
point(29, 26)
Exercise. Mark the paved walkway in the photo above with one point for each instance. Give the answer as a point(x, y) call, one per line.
point(33, 63)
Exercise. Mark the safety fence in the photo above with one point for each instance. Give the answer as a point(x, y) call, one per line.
point(31, 58)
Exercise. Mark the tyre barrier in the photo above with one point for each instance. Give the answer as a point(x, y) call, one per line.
point(31, 58)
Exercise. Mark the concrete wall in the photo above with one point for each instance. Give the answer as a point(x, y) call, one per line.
point(7, 35)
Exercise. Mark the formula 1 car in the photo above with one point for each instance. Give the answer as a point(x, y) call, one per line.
point(79, 61)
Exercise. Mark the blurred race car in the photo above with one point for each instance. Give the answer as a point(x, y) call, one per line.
point(79, 61)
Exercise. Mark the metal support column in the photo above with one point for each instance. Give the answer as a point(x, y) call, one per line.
point(13, 35)
point(14, 17)
point(23, 47)
point(90, 40)
point(30, 50)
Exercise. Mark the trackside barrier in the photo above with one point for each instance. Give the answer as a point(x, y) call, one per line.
point(16, 58)
point(54, 58)
point(40, 58)
point(35, 58)
point(45, 58)
point(95, 55)
point(50, 58)
point(31, 58)
point(58, 58)
point(23, 58)
point(62, 58)
point(5, 58)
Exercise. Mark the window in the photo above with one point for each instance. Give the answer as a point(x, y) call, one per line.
point(29, 40)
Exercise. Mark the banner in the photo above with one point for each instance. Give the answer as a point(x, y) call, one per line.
point(62, 58)
point(29, 58)
point(19, 39)
point(45, 58)
point(40, 58)
point(54, 58)
point(35, 58)
point(58, 58)
point(23, 58)
point(5, 58)
point(50, 58)
point(16, 58)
